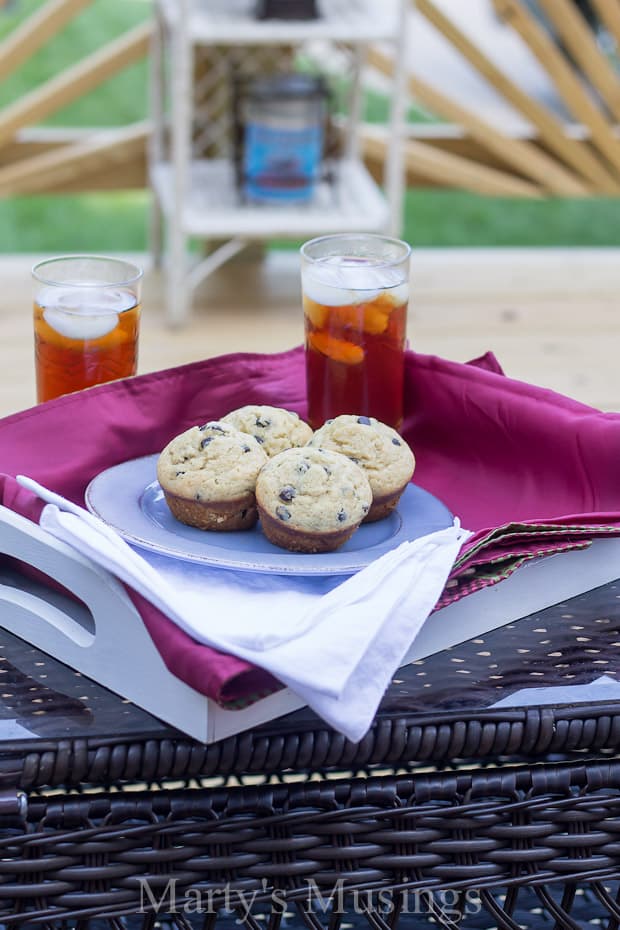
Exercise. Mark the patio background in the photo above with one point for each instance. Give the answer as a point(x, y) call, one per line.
point(118, 220)
point(550, 314)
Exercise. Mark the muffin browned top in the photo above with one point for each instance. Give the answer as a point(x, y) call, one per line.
point(378, 449)
point(274, 428)
point(214, 462)
point(313, 490)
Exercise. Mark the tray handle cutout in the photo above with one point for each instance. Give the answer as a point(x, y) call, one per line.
point(95, 607)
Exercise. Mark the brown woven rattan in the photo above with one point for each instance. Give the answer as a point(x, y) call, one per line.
point(86, 855)
point(450, 810)
point(534, 732)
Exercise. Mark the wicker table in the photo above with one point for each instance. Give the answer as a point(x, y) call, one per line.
point(477, 816)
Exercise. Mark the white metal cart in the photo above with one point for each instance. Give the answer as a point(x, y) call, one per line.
point(196, 197)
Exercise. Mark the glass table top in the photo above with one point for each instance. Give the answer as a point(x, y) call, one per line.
point(572, 643)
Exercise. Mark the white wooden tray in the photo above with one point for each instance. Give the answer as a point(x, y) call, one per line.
point(104, 637)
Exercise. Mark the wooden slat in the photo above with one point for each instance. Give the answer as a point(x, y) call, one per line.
point(551, 130)
point(31, 142)
point(131, 173)
point(564, 78)
point(60, 167)
point(22, 43)
point(76, 81)
point(578, 38)
point(609, 12)
point(448, 170)
point(521, 156)
point(454, 136)
point(446, 136)
point(454, 139)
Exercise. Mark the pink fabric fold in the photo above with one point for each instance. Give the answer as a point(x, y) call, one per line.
point(530, 470)
point(226, 679)
point(66, 442)
point(496, 450)
point(16, 498)
point(229, 681)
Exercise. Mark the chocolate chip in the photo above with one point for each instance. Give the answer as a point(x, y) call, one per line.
point(263, 422)
point(203, 427)
point(353, 459)
point(365, 508)
point(197, 495)
point(327, 470)
point(216, 428)
point(179, 473)
point(287, 493)
point(365, 421)
point(341, 516)
point(206, 441)
point(259, 439)
point(246, 448)
point(396, 442)
point(283, 514)
point(303, 467)
point(330, 421)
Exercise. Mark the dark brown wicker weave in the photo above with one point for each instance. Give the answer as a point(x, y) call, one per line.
point(448, 813)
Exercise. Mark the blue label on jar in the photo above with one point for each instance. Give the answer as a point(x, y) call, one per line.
point(281, 164)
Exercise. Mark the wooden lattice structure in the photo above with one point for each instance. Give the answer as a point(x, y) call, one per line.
point(575, 157)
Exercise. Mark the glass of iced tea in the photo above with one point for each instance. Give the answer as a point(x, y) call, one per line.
point(355, 294)
point(86, 321)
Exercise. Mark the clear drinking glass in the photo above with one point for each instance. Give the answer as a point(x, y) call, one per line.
point(86, 322)
point(355, 295)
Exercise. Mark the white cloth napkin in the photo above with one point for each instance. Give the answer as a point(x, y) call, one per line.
point(334, 643)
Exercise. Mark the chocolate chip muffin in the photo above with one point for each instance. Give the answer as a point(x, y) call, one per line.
point(274, 428)
point(311, 500)
point(208, 476)
point(384, 455)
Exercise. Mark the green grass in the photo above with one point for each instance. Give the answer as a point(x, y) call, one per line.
point(75, 223)
point(88, 222)
point(122, 99)
point(456, 218)
point(118, 221)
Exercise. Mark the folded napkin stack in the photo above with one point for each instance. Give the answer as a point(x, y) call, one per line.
point(529, 471)
point(493, 555)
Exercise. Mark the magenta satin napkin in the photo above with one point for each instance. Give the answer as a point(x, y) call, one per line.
point(530, 471)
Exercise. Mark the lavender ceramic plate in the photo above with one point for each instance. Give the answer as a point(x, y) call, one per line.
point(128, 498)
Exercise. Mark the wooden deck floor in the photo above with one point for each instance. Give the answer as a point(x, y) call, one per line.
point(551, 316)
